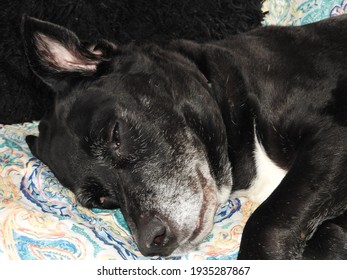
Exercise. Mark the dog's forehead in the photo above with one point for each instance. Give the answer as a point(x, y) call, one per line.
point(143, 77)
point(133, 97)
point(142, 112)
point(146, 92)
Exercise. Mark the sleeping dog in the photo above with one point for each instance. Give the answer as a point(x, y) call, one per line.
point(167, 133)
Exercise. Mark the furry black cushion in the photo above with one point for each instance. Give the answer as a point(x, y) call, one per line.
point(24, 98)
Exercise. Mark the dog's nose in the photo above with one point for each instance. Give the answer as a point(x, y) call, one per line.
point(155, 237)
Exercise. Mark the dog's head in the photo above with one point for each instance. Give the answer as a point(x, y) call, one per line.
point(135, 128)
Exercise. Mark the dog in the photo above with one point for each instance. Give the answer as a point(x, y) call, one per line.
point(167, 133)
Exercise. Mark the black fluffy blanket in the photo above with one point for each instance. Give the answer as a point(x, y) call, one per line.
point(23, 97)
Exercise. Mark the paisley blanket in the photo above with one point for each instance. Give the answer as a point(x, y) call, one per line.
point(40, 219)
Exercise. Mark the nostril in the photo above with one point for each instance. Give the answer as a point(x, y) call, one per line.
point(156, 234)
point(159, 240)
point(155, 237)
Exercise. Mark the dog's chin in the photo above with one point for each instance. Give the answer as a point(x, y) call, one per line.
point(204, 223)
point(203, 228)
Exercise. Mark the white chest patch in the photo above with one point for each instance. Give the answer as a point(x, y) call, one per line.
point(268, 176)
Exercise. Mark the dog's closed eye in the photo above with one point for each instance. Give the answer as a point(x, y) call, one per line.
point(115, 136)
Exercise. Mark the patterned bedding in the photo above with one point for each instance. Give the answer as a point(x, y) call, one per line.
point(39, 219)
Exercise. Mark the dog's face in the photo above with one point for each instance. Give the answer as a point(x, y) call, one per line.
point(134, 128)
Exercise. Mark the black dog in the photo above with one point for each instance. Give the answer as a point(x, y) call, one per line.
point(167, 134)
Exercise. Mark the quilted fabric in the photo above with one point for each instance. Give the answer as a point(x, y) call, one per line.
point(299, 12)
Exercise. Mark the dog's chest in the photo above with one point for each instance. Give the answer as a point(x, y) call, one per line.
point(268, 176)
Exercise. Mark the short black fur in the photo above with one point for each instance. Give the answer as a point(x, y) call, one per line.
point(190, 117)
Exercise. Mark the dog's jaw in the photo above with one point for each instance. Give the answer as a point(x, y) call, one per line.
point(213, 197)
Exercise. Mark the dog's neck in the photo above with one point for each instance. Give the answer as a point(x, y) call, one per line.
point(229, 89)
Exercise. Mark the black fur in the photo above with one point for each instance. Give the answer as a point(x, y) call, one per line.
point(160, 132)
point(23, 97)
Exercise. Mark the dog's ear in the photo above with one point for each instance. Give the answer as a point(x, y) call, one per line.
point(214, 61)
point(55, 53)
point(194, 52)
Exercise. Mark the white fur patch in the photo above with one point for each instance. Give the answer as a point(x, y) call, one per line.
point(268, 176)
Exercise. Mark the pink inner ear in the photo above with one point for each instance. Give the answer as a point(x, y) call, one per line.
point(59, 56)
